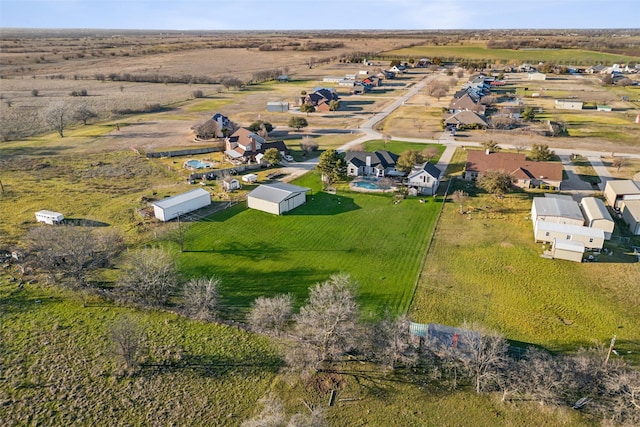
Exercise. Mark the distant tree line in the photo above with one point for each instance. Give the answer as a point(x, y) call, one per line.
point(156, 78)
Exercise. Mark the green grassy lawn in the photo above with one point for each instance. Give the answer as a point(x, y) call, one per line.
point(484, 266)
point(399, 147)
point(379, 243)
point(480, 52)
point(58, 367)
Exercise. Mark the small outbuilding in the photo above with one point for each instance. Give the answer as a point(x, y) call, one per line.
point(231, 184)
point(556, 209)
point(172, 207)
point(568, 104)
point(277, 107)
point(277, 198)
point(569, 250)
point(597, 215)
point(250, 178)
point(49, 217)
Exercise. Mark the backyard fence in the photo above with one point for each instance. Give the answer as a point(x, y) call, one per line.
point(187, 152)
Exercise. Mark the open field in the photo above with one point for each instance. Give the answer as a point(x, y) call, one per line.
point(484, 266)
point(379, 243)
point(59, 369)
point(479, 52)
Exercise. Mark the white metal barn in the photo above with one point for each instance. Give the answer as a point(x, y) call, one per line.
point(49, 217)
point(592, 238)
point(171, 207)
point(597, 215)
point(556, 209)
point(569, 250)
point(277, 198)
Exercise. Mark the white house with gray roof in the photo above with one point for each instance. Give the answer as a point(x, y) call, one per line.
point(592, 238)
point(424, 179)
point(380, 163)
point(277, 198)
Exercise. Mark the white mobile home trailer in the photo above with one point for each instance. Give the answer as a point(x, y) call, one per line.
point(170, 208)
point(592, 238)
point(556, 209)
point(49, 217)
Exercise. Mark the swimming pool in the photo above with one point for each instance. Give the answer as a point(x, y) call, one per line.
point(197, 164)
point(370, 185)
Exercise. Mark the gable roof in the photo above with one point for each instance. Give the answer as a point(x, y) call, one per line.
point(383, 158)
point(595, 209)
point(466, 118)
point(276, 192)
point(557, 207)
point(515, 164)
point(427, 167)
point(466, 102)
point(181, 198)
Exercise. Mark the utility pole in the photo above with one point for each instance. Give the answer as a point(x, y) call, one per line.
point(613, 342)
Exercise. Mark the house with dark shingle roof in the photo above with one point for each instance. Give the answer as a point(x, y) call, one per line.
point(378, 164)
point(525, 173)
point(320, 98)
point(424, 179)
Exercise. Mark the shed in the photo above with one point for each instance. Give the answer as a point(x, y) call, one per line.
point(631, 215)
point(592, 238)
point(535, 75)
point(568, 104)
point(277, 106)
point(49, 217)
point(556, 209)
point(616, 191)
point(597, 215)
point(277, 198)
point(172, 207)
point(250, 178)
point(569, 250)
point(231, 184)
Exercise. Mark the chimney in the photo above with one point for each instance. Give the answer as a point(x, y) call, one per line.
point(368, 161)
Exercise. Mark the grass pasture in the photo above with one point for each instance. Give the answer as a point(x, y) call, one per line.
point(484, 266)
point(58, 367)
point(479, 51)
point(379, 243)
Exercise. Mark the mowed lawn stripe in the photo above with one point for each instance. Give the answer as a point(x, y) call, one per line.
point(379, 243)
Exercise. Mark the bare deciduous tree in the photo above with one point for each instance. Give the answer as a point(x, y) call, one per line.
point(127, 339)
point(460, 197)
point(308, 144)
point(619, 162)
point(71, 252)
point(149, 276)
point(486, 359)
point(270, 315)
point(200, 298)
point(56, 115)
point(327, 326)
point(392, 342)
point(83, 113)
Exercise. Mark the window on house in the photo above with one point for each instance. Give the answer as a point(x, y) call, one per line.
point(547, 234)
point(568, 236)
point(590, 239)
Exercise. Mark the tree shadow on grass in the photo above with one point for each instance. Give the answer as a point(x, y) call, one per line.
point(82, 222)
point(217, 366)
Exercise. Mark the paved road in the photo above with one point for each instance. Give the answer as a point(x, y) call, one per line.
point(367, 132)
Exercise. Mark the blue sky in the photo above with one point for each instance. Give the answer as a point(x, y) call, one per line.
point(318, 14)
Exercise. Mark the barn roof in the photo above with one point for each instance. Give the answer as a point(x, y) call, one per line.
point(276, 192)
point(181, 198)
